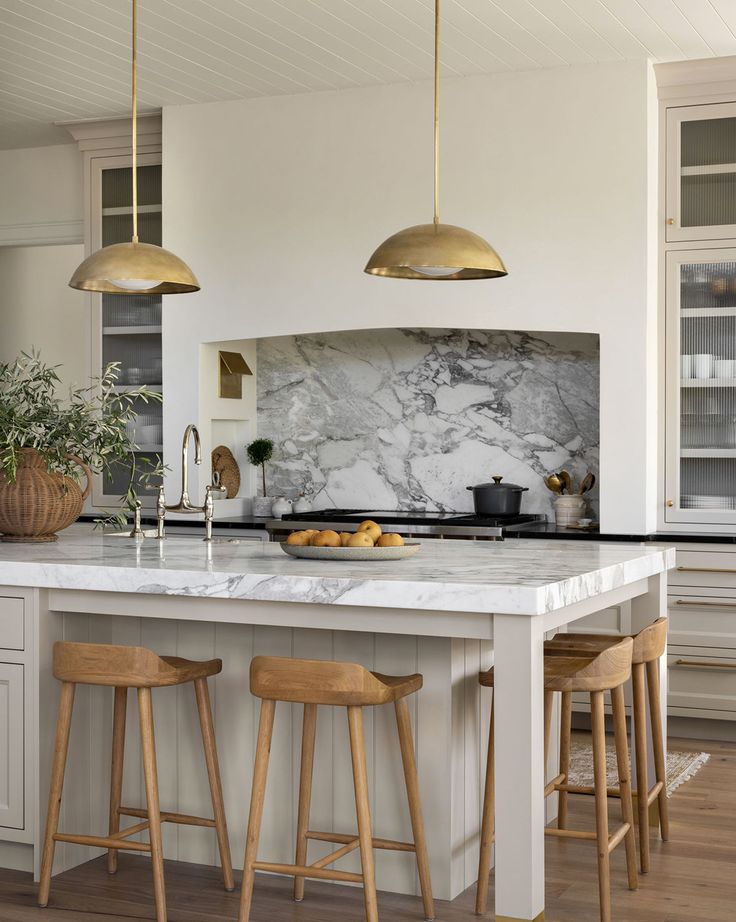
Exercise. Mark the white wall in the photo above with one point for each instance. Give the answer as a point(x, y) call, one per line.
point(278, 203)
point(39, 310)
point(41, 195)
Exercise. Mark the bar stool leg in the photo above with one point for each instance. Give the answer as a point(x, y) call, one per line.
point(658, 746)
point(565, 735)
point(486, 828)
point(403, 724)
point(63, 724)
point(601, 802)
point(116, 772)
point(548, 702)
point(624, 781)
point(202, 693)
point(258, 792)
point(150, 775)
point(309, 730)
point(362, 808)
point(642, 780)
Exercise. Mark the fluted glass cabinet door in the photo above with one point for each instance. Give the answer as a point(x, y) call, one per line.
point(127, 328)
point(701, 172)
point(700, 475)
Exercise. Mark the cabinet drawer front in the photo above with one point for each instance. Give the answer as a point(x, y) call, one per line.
point(11, 743)
point(704, 568)
point(702, 621)
point(11, 623)
point(702, 681)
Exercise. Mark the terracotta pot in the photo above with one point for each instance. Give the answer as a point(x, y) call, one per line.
point(39, 503)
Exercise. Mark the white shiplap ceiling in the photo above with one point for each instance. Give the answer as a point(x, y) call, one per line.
point(69, 59)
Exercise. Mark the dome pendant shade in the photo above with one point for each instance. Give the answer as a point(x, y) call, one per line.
point(438, 252)
point(126, 268)
point(134, 268)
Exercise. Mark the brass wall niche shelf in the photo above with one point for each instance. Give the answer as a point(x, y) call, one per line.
point(232, 368)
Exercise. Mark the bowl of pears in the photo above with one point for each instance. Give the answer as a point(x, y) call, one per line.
point(367, 543)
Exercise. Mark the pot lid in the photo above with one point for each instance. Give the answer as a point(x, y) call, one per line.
point(497, 485)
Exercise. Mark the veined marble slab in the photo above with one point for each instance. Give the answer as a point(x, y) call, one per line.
point(407, 418)
point(512, 577)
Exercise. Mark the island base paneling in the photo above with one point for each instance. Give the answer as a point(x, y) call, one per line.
point(451, 736)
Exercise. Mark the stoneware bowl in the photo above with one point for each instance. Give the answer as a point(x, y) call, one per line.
point(351, 553)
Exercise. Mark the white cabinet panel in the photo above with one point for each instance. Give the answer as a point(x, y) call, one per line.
point(11, 745)
point(11, 623)
point(702, 682)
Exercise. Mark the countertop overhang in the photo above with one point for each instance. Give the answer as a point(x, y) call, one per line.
point(514, 577)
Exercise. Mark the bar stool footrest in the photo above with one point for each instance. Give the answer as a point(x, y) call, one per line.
point(298, 870)
point(182, 819)
point(102, 842)
point(340, 838)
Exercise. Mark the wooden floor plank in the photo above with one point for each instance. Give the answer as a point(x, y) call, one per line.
point(692, 876)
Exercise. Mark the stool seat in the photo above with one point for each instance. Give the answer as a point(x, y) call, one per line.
point(579, 671)
point(126, 667)
point(324, 682)
point(649, 643)
point(311, 681)
point(600, 668)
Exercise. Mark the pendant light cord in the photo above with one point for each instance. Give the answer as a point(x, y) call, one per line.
point(436, 111)
point(135, 123)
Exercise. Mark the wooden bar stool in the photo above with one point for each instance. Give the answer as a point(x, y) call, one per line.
point(596, 674)
point(649, 645)
point(311, 683)
point(124, 668)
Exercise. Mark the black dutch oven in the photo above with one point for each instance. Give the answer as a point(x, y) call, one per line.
point(497, 498)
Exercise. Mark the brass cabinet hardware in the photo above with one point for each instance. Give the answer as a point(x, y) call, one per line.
point(703, 664)
point(670, 221)
point(706, 604)
point(670, 503)
point(706, 570)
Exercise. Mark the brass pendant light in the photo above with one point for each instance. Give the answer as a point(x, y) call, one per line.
point(436, 251)
point(134, 268)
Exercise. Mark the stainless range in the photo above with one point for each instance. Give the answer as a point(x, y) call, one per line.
point(420, 524)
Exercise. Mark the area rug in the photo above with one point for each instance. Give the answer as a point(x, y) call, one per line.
point(681, 766)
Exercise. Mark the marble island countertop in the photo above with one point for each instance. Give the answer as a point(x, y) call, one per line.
point(515, 577)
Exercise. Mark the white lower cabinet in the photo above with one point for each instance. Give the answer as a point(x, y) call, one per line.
point(701, 684)
point(12, 738)
point(701, 655)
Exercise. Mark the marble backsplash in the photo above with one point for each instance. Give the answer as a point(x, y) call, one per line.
point(407, 418)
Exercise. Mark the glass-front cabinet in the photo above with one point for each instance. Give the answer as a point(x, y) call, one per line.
point(701, 172)
point(701, 386)
point(127, 328)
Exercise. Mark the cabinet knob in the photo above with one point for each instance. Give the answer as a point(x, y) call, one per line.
point(670, 220)
point(670, 503)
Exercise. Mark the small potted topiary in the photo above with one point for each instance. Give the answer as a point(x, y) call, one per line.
point(259, 452)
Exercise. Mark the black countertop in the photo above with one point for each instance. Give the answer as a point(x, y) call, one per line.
point(239, 521)
point(541, 530)
point(549, 530)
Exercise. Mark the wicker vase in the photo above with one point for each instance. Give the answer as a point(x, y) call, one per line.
point(39, 503)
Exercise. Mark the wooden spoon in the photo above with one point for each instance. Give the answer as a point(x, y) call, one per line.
point(587, 483)
point(566, 481)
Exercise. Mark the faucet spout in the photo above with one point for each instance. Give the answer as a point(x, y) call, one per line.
point(184, 504)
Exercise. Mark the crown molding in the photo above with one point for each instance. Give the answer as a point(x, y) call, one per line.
point(42, 233)
point(690, 79)
point(108, 133)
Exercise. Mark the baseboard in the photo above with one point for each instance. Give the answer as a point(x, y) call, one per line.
point(16, 856)
point(689, 728)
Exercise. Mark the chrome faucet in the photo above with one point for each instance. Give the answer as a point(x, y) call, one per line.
point(185, 505)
